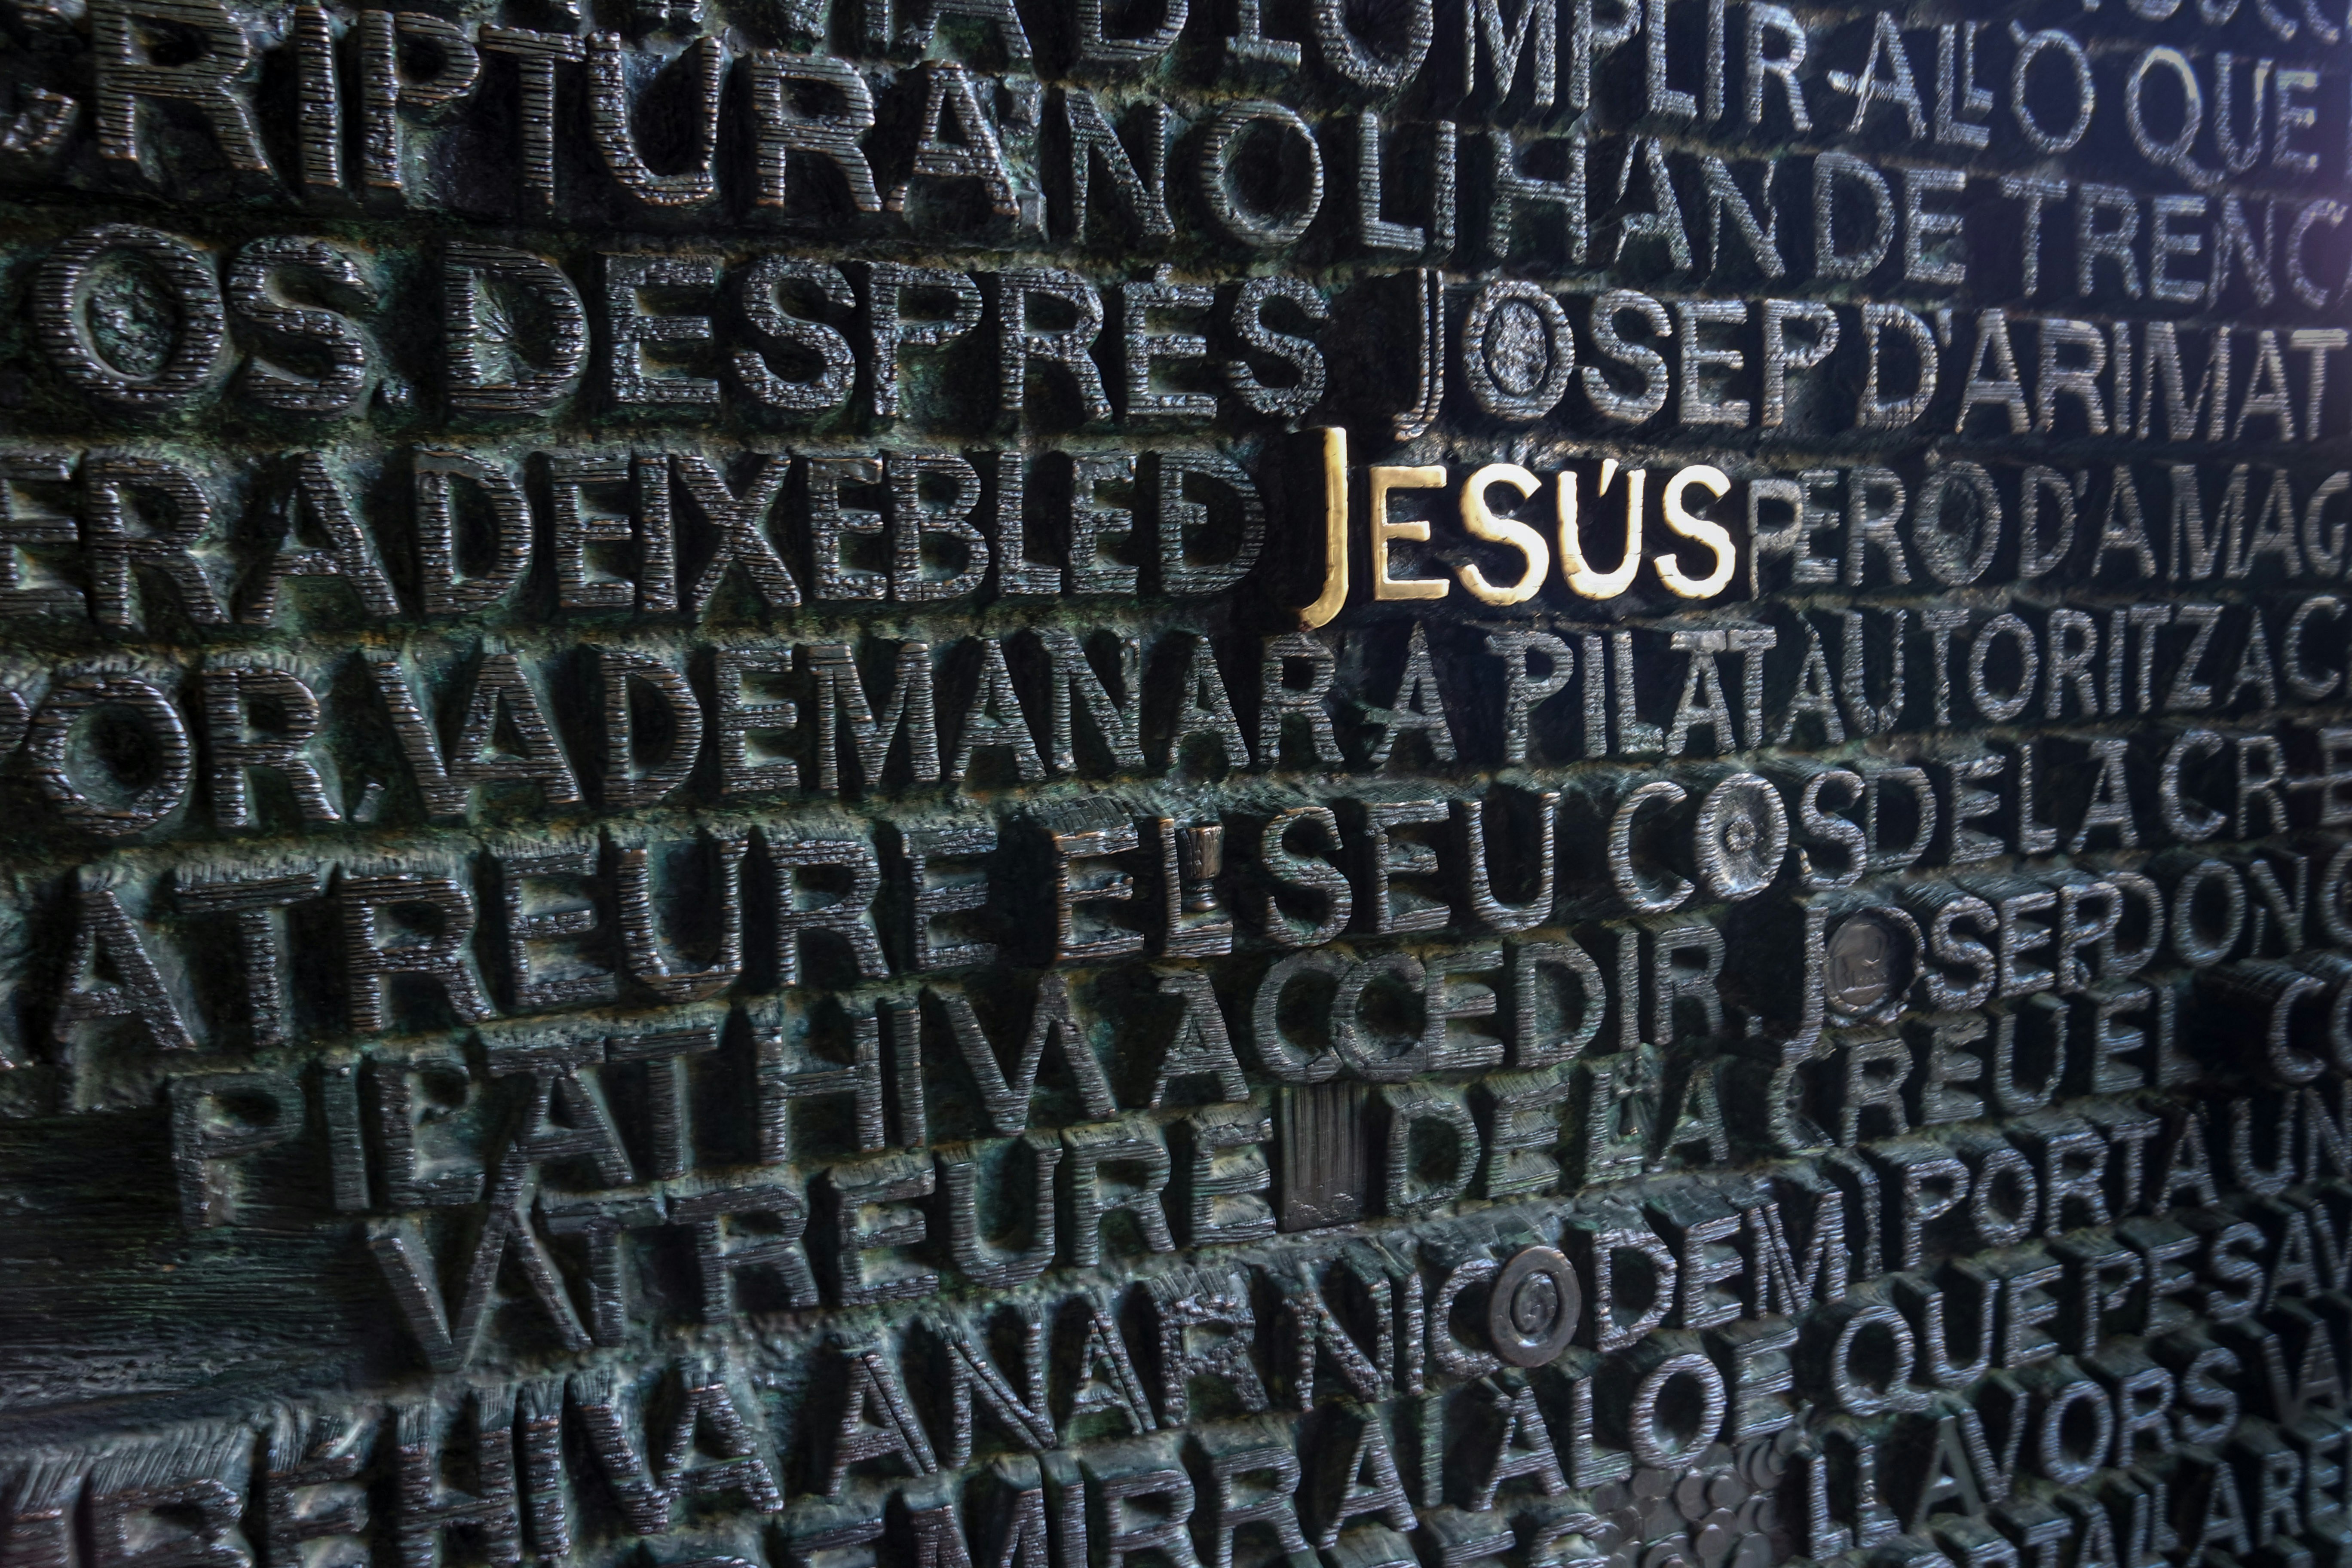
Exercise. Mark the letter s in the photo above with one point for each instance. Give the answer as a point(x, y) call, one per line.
point(1481, 523)
point(1699, 530)
point(2203, 1392)
point(327, 338)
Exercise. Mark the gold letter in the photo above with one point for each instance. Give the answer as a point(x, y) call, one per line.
point(1385, 478)
point(1334, 597)
point(1482, 523)
point(1586, 581)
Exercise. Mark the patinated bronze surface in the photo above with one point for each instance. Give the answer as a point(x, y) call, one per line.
point(1026, 783)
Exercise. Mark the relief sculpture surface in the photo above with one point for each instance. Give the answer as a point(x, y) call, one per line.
point(1175, 783)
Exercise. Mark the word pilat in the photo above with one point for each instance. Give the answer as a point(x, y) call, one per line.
point(1452, 1414)
point(963, 784)
point(246, 745)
